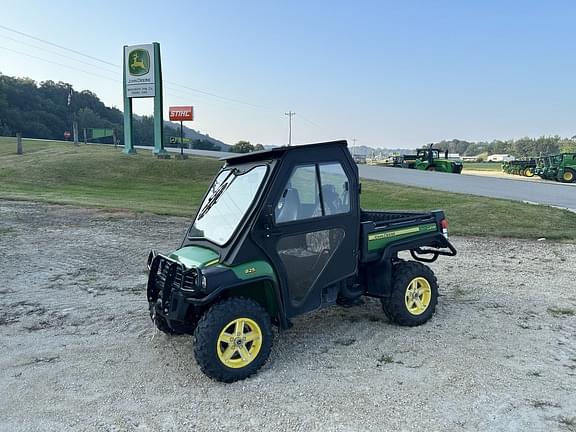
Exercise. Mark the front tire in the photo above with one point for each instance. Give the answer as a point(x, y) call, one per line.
point(233, 339)
point(414, 295)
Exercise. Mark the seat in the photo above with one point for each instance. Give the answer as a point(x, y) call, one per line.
point(288, 208)
point(332, 202)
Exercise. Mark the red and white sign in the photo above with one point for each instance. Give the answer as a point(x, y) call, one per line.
point(67, 134)
point(181, 113)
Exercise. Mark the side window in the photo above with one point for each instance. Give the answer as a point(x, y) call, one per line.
point(335, 189)
point(300, 198)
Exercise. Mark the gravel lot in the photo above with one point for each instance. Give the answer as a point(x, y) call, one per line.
point(80, 353)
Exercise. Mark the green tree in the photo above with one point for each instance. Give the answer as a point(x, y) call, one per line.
point(568, 145)
point(259, 147)
point(242, 147)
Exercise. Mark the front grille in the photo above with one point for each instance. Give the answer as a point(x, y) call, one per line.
point(189, 283)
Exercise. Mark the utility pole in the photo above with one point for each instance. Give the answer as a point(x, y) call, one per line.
point(290, 114)
point(354, 146)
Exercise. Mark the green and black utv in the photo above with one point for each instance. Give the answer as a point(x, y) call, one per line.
point(281, 233)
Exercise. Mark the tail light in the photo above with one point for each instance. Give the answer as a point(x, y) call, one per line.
point(444, 227)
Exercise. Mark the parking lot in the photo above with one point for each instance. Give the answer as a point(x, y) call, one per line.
point(79, 351)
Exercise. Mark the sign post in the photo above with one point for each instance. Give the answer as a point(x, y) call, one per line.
point(19, 144)
point(181, 113)
point(143, 79)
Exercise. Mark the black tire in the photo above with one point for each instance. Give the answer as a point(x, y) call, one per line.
point(209, 346)
point(569, 176)
point(396, 307)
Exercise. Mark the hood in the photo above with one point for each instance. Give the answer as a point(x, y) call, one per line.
point(195, 256)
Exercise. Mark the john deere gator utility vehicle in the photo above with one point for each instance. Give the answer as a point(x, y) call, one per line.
point(429, 159)
point(281, 233)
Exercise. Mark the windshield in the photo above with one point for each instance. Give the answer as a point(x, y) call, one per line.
point(228, 199)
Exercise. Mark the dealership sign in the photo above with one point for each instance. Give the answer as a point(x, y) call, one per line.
point(139, 71)
point(181, 113)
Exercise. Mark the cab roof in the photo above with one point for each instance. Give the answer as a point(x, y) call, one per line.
point(279, 152)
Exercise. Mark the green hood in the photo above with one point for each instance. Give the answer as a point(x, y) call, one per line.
point(196, 256)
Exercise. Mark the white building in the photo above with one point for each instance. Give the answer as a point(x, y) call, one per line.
point(500, 158)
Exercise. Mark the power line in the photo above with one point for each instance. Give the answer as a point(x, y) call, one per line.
point(58, 46)
point(56, 53)
point(191, 89)
point(213, 94)
point(59, 64)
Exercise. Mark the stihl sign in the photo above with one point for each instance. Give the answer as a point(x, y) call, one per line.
point(181, 113)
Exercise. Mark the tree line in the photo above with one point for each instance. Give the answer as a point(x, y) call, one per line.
point(520, 148)
point(48, 109)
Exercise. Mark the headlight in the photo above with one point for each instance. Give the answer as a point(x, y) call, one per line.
point(190, 282)
point(203, 282)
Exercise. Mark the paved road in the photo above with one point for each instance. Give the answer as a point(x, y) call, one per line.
point(544, 192)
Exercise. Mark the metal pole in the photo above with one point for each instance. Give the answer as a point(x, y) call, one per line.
point(290, 114)
point(19, 144)
point(181, 141)
point(85, 140)
point(75, 131)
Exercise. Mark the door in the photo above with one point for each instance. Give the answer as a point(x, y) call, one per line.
point(314, 238)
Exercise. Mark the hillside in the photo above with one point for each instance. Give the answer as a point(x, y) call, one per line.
point(47, 109)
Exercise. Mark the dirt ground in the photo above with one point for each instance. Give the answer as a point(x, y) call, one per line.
point(79, 352)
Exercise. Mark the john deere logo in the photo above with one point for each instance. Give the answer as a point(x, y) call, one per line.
point(139, 62)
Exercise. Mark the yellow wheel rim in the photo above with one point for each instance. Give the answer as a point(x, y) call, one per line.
point(568, 176)
point(239, 343)
point(418, 295)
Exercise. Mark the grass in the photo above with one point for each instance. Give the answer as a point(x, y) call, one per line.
point(472, 215)
point(99, 176)
point(482, 166)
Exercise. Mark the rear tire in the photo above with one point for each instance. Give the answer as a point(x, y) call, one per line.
point(233, 339)
point(569, 176)
point(414, 295)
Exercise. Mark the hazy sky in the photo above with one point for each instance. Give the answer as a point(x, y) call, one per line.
point(388, 73)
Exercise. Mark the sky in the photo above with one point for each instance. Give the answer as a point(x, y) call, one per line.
point(392, 74)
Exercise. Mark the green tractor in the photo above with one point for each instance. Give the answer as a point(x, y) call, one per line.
point(540, 164)
point(544, 167)
point(428, 159)
point(565, 167)
point(551, 170)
